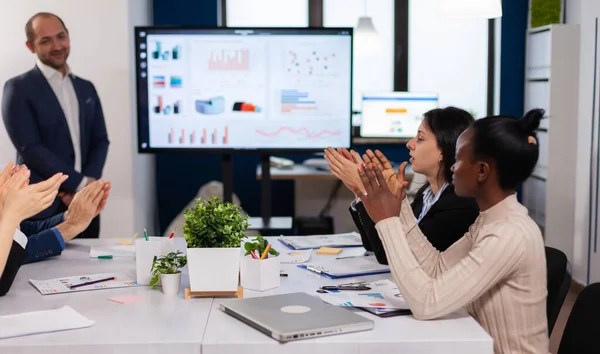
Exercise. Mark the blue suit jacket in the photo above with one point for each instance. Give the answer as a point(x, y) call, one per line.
point(38, 129)
point(42, 241)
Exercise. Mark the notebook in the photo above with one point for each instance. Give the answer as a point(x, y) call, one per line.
point(28, 323)
point(351, 239)
point(349, 267)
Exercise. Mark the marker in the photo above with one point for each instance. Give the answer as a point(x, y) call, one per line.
point(264, 255)
point(172, 234)
point(105, 257)
point(91, 282)
point(146, 235)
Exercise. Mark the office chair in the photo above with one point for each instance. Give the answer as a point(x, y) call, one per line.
point(559, 282)
point(581, 332)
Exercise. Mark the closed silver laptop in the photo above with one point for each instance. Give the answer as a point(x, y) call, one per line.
point(295, 316)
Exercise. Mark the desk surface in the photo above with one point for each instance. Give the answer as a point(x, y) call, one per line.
point(169, 324)
point(160, 324)
point(300, 171)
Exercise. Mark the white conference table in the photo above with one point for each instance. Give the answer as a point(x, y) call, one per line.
point(169, 324)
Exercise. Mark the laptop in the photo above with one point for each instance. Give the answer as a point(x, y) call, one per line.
point(295, 316)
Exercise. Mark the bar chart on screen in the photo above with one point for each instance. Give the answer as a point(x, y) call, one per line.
point(164, 106)
point(229, 59)
point(198, 136)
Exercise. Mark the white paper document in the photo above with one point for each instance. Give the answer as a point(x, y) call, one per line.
point(63, 285)
point(114, 251)
point(351, 239)
point(383, 295)
point(23, 324)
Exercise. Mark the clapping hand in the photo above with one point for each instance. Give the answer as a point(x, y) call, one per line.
point(87, 204)
point(344, 166)
point(396, 181)
point(379, 201)
point(22, 200)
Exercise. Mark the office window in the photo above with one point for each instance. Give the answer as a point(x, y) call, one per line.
point(373, 72)
point(448, 56)
point(267, 13)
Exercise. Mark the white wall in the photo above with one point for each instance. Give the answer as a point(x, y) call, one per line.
point(589, 11)
point(101, 51)
point(573, 11)
point(449, 56)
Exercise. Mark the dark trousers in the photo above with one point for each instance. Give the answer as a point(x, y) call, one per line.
point(93, 230)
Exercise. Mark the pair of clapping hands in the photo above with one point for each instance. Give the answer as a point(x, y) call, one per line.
point(372, 179)
point(20, 200)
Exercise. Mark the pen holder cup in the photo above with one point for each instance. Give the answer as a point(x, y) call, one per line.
point(260, 275)
point(144, 256)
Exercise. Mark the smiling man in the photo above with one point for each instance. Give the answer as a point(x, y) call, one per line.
point(54, 118)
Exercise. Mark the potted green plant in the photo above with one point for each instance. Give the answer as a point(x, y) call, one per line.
point(260, 265)
point(167, 269)
point(213, 231)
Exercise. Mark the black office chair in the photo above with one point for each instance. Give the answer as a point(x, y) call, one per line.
point(582, 329)
point(559, 282)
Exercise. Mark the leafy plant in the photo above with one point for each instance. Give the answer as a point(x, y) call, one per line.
point(212, 223)
point(169, 264)
point(545, 12)
point(258, 247)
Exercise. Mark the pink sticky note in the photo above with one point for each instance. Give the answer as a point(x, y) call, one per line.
point(126, 299)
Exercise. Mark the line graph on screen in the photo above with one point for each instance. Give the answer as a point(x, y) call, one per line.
point(300, 132)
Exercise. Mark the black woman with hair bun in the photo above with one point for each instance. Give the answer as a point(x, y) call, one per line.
point(497, 270)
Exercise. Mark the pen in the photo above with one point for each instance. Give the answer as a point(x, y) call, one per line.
point(105, 257)
point(362, 255)
point(91, 282)
point(172, 234)
point(146, 235)
point(253, 255)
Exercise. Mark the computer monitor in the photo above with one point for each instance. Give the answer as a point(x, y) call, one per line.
point(394, 114)
point(262, 89)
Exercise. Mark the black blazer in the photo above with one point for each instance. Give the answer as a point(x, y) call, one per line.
point(16, 257)
point(445, 223)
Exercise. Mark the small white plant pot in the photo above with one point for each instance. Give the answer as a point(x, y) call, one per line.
point(145, 251)
point(260, 275)
point(214, 269)
point(170, 283)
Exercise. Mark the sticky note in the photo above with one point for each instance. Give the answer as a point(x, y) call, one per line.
point(126, 299)
point(329, 250)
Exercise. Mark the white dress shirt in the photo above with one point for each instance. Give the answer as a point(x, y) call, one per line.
point(65, 93)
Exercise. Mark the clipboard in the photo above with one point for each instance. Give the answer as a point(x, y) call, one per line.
point(351, 239)
point(346, 268)
point(384, 314)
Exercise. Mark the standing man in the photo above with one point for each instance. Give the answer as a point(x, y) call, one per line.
point(54, 118)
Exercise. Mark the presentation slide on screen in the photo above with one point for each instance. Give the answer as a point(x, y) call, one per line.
point(395, 114)
point(248, 92)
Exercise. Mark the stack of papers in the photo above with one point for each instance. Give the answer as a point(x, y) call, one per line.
point(351, 239)
point(382, 300)
point(63, 285)
point(28, 323)
point(349, 267)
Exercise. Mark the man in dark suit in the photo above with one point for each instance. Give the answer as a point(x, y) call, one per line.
point(54, 118)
